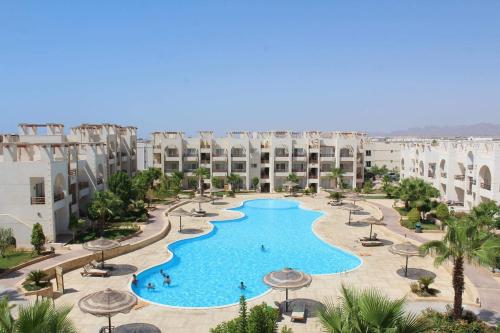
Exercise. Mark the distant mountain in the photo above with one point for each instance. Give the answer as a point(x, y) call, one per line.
point(480, 130)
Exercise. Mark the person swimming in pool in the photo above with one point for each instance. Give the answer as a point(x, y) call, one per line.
point(242, 286)
point(134, 280)
point(167, 280)
point(262, 248)
point(151, 286)
point(163, 273)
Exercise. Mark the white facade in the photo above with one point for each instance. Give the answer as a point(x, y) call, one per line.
point(46, 177)
point(144, 154)
point(269, 156)
point(466, 171)
point(382, 151)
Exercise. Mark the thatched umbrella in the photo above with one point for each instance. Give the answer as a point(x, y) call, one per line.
point(212, 191)
point(101, 244)
point(107, 303)
point(286, 279)
point(351, 208)
point(407, 250)
point(180, 212)
point(137, 328)
point(290, 185)
point(200, 199)
point(371, 221)
point(355, 197)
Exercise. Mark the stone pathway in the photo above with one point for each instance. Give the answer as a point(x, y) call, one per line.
point(487, 286)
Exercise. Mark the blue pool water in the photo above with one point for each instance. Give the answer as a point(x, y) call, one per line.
point(206, 271)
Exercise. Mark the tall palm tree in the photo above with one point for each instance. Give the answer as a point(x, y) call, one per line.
point(234, 180)
point(37, 317)
point(464, 241)
point(103, 205)
point(369, 311)
point(201, 173)
point(336, 174)
point(416, 191)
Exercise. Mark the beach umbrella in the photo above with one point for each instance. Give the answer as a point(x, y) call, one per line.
point(212, 191)
point(200, 199)
point(405, 249)
point(101, 244)
point(351, 208)
point(180, 212)
point(290, 185)
point(371, 221)
point(355, 197)
point(286, 279)
point(137, 328)
point(107, 303)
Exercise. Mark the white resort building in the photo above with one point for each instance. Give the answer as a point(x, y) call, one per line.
point(464, 171)
point(46, 175)
point(382, 152)
point(269, 156)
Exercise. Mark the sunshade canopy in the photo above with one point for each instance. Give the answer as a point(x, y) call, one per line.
point(101, 244)
point(107, 302)
point(405, 249)
point(179, 212)
point(287, 278)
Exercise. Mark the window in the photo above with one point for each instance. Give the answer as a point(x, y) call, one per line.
point(368, 164)
point(368, 153)
point(253, 165)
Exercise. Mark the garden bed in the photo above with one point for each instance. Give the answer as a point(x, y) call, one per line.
point(25, 259)
point(110, 233)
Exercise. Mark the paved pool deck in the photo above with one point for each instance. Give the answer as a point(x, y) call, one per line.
point(379, 270)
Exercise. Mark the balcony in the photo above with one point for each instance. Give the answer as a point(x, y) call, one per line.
point(313, 176)
point(38, 200)
point(430, 174)
point(459, 177)
point(205, 161)
point(264, 176)
point(470, 167)
point(444, 174)
point(264, 161)
point(313, 161)
point(72, 172)
point(99, 180)
point(486, 186)
point(58, 196)
point(83, 185)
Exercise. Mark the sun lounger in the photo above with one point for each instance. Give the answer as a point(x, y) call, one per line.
point(298, 312)
point(95, 264)
point(196, 213)
point(364, 239)
point(372, 243)
point(89, 271)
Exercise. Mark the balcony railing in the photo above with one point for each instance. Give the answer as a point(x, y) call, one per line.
point(264, 161)
point(38, 200)
point(470, 167)
point(459, 177)
point(72, 172)
point(238, 170)
point(238, 155)
point(486, 186)
point(83, 185)
point(220, 170)
point(99, 180)
point(444, 174)
point(430, 174)
point(299, 169)
point(264, 176)
point(313, 161)
point(58, 196)
point(313, 176)
point(205, 161)
point(281, 155)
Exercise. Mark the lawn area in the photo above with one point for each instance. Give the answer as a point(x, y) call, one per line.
point(110, 233)
point(15, 258)
point(425, 225)
point(401, 211)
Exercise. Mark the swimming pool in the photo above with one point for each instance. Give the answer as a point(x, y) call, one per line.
point(206, 271)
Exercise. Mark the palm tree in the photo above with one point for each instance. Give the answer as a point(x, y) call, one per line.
point(103, 205)
point(464, 241)
point(416, 191)
point(369, 311)
point(201, 173)
point(37, 317)
point(234, 180)
point(336, 174)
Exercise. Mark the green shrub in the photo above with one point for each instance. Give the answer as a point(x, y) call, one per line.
point(261, 319)
point(444, 323)
point(414, 216)
point(279, 189)
point(37, 238)
point(415, 287)
point(442, 212)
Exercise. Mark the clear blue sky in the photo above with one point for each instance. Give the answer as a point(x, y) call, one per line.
point(256, 65)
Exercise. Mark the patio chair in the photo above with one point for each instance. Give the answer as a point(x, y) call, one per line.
point(298, 312)
point(374, 238)
point(95, 264)
point(370, 243)
point(89, 271)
